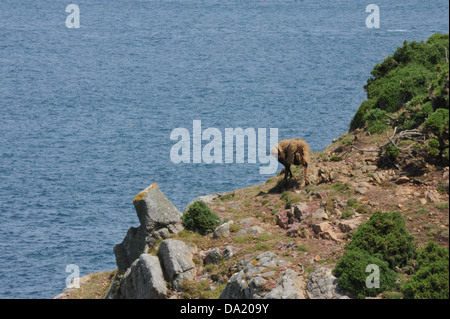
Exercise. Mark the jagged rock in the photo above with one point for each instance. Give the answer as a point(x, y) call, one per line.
point(158, 217)
point(303, 232)
point(223, 230)
point(329, 234)
point(213, 256)
point(347, 226)
point(144, 279)
point(132, 246)
point(321, 227)
point(251, 280)
point(154, 210)
point(336, 212)
point(282, 219)
point(322, 284)
point(378, 177)
point(300, 210)
point(176, 259)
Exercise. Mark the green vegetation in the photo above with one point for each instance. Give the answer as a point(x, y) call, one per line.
point(335, 158)
point(382, 241)
point(200, 218)
point(385, 236)
point(410, 90)
point(351, 271)
point(385, 242)
point(431, 280)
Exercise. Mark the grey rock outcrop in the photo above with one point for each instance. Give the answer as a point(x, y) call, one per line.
point(144, 279)
point(256, 277)
point(176, 259)
point(322, 284)
point(154, 210)
point(158, 218)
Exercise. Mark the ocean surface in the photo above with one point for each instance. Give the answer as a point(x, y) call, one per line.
point(86, 114)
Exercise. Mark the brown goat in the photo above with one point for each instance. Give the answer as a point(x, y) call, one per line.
point(293, 152)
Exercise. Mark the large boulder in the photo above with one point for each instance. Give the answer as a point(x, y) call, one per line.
point(157, 216)
point(176, 259)
point(154, 210)
point(144, 279)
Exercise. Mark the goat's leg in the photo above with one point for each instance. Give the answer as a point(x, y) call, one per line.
point(287, 169)
point(305, 174)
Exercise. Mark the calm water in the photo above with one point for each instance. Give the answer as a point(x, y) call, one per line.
point(86, 114)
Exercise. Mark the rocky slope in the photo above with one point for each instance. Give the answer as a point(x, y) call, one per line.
point(276, 241)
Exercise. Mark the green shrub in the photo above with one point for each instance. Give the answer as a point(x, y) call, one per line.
point(376, 121)
point(437, 122)
point(200, 218)
point(352, 275)
point(385, 236)
point(351, 202)
point(414, 80)
point(391, 152)
point(431, 281)
point(358, 120)
point(433, 147)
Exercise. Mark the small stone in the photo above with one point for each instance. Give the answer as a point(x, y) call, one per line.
point(320, 214)
point(223, 230)
point(299, 210)
point(402, 180)
point(213, 256)
point(320, 227)
point(228, 252)
point(361, 190)
point(330, 235)
point(317, 258)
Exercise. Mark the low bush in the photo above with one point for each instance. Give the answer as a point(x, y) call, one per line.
point(385, 236)
point(352, 274)
point(431, 280)
point(200, 218)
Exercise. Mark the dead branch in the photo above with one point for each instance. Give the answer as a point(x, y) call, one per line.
point(393, 140)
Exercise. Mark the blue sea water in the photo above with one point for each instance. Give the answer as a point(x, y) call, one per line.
point(86, 114)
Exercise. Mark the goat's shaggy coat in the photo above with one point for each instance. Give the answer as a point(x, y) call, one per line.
point(293, 152)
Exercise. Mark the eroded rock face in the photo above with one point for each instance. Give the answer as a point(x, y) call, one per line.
point(257, 279)
point(144, 279)
point(176, 259)
point(132, 246)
